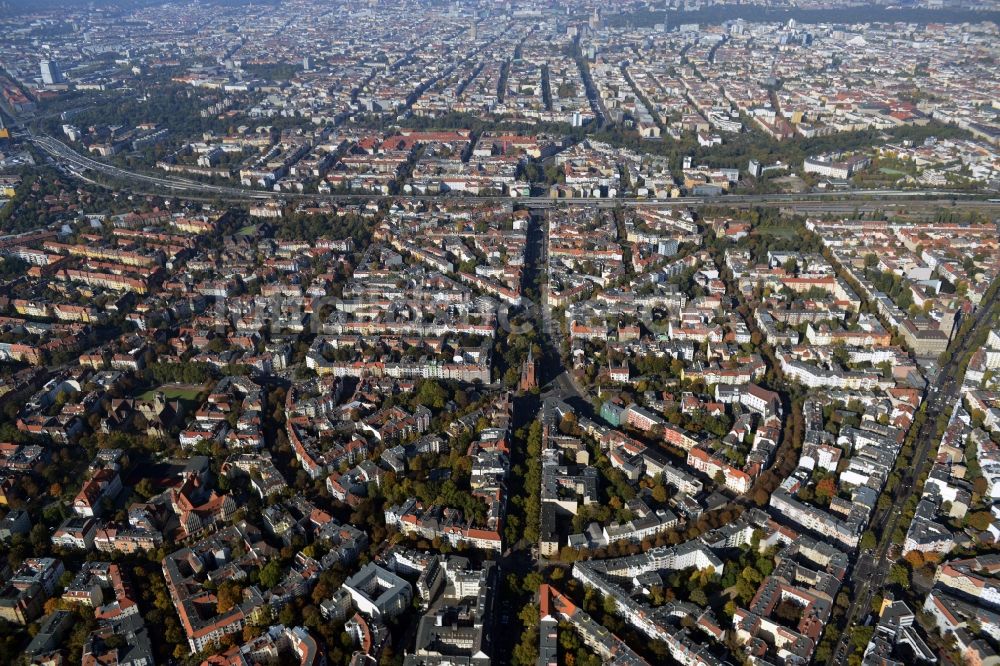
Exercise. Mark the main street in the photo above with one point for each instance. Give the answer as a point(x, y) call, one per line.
point(872, 567)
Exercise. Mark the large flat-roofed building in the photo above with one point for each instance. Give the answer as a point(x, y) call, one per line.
point(378, 592)
point(455, 630)
point(51, 75)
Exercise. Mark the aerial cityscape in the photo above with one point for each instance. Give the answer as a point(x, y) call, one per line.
point(499, 332)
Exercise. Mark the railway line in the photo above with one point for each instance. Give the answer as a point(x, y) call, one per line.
point(818, 202)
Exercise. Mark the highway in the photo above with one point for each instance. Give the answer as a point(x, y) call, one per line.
point(872, 567)
point(817, 202)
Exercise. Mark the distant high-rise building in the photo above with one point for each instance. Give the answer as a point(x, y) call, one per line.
point(50, 72)
point(307, 63)
point(595, 19)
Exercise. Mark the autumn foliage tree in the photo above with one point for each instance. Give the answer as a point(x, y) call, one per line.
point(228, 596)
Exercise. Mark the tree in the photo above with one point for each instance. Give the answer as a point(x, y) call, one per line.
point(825, 490)
point(145, 489)
point(529, 615)
point(979, 521)
point(287, 616)
point(898, 575)
point(861, 636)
point(568, 425)
point(980, 486)
point(228, 596)
point(915, 559)
point(526, 652)
point(39, 538)
point(532, 582)
point(839, 353)
point(789, 611)
point(609, 605)
point(431, 395)
point(270, 574)
point(752, 575)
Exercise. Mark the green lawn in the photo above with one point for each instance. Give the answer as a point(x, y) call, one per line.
point(779, 231)
point(188, 394)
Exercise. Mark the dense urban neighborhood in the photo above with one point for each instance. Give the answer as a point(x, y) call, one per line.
point(480, 333)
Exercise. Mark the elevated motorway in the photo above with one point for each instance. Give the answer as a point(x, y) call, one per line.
point(819, 202)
